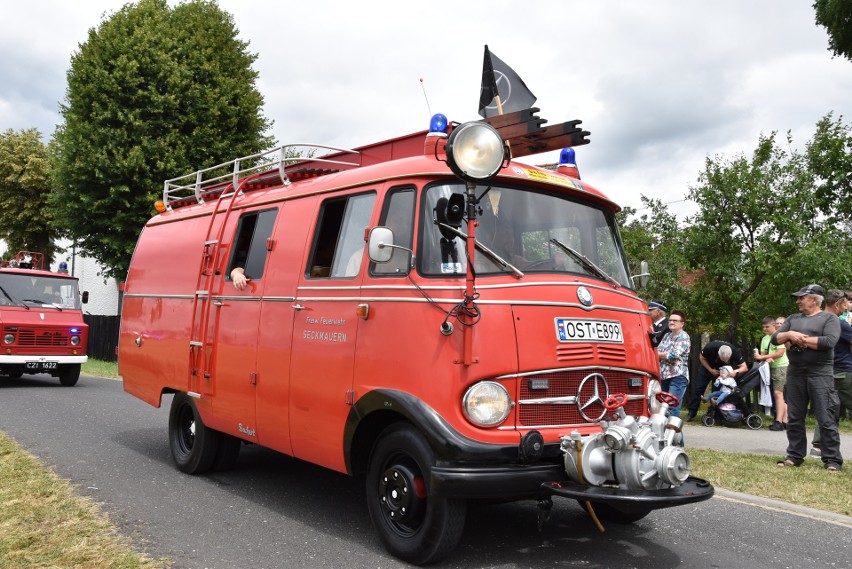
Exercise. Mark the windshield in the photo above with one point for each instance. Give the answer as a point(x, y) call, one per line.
point(533, 231)
point(30, 290)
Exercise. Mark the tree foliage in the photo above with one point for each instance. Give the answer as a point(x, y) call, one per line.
point(655, 236)
point(836, 17)
point(767, 224)
point(25, 217)
point(154, 92)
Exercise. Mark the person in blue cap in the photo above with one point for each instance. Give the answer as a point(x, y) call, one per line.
point(658, 316)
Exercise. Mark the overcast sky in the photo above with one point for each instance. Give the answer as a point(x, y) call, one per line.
point(661, 85)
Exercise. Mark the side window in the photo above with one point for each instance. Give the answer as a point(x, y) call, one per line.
point(398, 215)
point(249, 252)
point(339, 243)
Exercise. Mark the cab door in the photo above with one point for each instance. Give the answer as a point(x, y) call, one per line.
point(325, 327)
point(235, 318)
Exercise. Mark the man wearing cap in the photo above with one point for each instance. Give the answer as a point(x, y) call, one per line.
point(658, 317)
point(810, 337)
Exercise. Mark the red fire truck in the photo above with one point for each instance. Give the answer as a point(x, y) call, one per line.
point(423, 312)
point(42, 321)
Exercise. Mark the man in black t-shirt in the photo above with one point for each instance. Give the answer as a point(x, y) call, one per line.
point(713, 356)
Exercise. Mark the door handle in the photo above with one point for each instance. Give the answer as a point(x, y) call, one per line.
point(298, 307)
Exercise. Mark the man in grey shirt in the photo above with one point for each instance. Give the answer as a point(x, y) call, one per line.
point(810, 337)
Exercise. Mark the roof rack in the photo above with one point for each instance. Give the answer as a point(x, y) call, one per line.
point(282, 162)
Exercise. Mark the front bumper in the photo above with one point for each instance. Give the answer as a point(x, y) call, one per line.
point(633, 501)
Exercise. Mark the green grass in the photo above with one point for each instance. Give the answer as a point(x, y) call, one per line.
point(44, 524)
point(809, 485)
point(100, 368)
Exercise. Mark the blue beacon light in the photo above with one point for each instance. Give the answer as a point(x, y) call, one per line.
point(566, 157)
point(438, 124)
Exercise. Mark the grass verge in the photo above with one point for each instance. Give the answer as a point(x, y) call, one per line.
point(100, 368)
point(44, 524)
point(809, 485)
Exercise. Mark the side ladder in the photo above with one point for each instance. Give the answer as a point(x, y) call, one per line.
point(201, 339)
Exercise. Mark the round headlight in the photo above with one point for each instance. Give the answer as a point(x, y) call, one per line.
point(654, 387)
point(9, 338)
point(487, 404)
point(75, 340)
point(475, 151)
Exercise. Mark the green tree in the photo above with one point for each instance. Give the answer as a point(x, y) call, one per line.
point(153, 93)
point(655, 236)
point(836, 17)
point(829, 155)
point(759, 234)
point(25, 217)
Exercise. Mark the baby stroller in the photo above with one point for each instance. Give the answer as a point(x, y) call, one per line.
point(735, 409)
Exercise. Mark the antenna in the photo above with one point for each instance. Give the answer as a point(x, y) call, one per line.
point(423, 86)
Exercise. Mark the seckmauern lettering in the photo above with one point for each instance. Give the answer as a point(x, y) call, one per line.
point(322, 335)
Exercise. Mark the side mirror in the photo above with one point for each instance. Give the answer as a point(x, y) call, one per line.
point(380, 244)
point(85, 297)
point(643, 274)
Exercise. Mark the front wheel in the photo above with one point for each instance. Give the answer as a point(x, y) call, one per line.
point(754, 422)
point(69, 374)
point(194, 446)
point(414, 525)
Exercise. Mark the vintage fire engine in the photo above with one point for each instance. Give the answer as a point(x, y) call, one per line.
point(42, 321)
point(423, 311)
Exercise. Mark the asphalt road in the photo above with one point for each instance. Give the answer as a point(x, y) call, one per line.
point(273, 511)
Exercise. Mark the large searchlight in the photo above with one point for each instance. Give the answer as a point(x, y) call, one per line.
point(475, 151)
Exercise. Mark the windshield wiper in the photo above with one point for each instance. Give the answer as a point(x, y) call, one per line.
point(497, 259)
point(583, 260)
point(12, 300)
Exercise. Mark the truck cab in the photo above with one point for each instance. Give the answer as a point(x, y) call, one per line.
point(41, 320)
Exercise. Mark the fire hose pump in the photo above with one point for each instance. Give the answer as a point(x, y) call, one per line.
point(633, 466)
point(636, 454)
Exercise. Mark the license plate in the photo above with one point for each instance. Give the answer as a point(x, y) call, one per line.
point(581, 330)
point(40, 366)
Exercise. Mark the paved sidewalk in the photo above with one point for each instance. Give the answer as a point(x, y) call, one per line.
point(743, 439)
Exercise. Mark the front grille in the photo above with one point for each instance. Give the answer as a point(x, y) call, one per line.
point(565, 384)
point(43, 338)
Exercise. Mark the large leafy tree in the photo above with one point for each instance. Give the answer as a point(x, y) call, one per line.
point(761, 232)
point(24, 187)
point(836, 17)
point(153, 93)
point(655, 236)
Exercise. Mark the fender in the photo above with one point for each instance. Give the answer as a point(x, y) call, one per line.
point(448, 444)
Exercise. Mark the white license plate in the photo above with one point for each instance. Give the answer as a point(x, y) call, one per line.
point(40, 366)
point(581, 330)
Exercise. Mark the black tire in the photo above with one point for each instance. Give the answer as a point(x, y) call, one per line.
point(194, 446)
point(607, 513)
point(69, 374)
point(15, 372)
point(708, 420)
point(754, 422)
point(227, 453)
point(413, 524)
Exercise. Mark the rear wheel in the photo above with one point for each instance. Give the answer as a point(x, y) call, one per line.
point(413, 524)
point(69, 374)
point(194, 446)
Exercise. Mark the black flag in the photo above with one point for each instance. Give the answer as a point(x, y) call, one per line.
point(499, 80)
